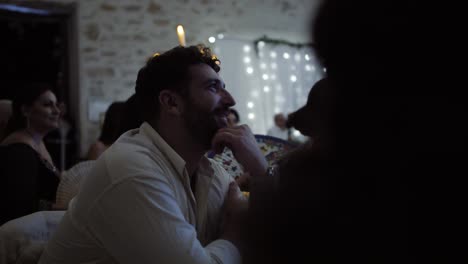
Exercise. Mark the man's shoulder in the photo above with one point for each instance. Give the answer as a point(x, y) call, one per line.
point(134, 153)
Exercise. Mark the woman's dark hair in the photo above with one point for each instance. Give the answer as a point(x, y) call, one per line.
point(26, 96)
point(131, 117)
point(169, 70)
point(110, 129)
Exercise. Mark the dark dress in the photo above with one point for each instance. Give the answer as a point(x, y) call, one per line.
point(28, 183)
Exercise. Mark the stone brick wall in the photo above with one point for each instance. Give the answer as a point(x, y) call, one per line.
point(115, 37)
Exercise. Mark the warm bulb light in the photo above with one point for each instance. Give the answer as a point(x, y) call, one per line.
point(181, 35)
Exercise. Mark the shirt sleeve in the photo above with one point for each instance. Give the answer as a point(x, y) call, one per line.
point(139, 221)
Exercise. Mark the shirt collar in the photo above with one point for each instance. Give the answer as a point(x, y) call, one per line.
point(161, 144)
point(175, 159)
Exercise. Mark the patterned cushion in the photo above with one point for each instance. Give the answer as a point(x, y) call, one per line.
point(273, 148)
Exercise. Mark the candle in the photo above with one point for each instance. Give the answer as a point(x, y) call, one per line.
point(181, 35)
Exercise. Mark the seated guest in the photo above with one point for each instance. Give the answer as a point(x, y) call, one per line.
point(132, 116)
point(279, 129)
point(29, 176)
point(153, 197)
point(110, 130)
point(121, 117)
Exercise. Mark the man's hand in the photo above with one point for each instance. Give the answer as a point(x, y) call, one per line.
point(243, 181)
point(235, 215)
point(243, 145)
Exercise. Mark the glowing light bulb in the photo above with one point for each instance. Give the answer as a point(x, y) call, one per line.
point(297, 57)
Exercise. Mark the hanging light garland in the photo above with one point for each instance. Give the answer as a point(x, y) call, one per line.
point(259, 43)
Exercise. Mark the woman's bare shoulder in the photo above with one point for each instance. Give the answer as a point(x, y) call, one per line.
point(17, 137)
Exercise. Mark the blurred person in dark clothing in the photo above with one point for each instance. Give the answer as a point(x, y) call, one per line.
point(385, 186)
point(29, 175)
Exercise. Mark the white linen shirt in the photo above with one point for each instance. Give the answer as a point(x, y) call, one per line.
point(136, 206)
point(278, 132)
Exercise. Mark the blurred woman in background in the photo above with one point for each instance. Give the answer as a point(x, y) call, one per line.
point(29, 177)
point(110, 130)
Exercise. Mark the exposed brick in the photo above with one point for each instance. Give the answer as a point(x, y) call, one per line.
point(154, 8)
point(108, 7)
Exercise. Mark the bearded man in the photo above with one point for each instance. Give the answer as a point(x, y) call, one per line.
point(153, 197)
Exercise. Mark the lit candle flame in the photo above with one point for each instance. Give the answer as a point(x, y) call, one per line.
point(181, 35)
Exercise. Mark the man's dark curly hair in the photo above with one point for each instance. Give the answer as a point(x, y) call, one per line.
point(169, 70)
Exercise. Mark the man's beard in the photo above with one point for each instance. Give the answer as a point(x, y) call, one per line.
point(202, 125)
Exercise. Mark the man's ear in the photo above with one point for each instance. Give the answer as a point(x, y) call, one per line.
point(170, 102)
